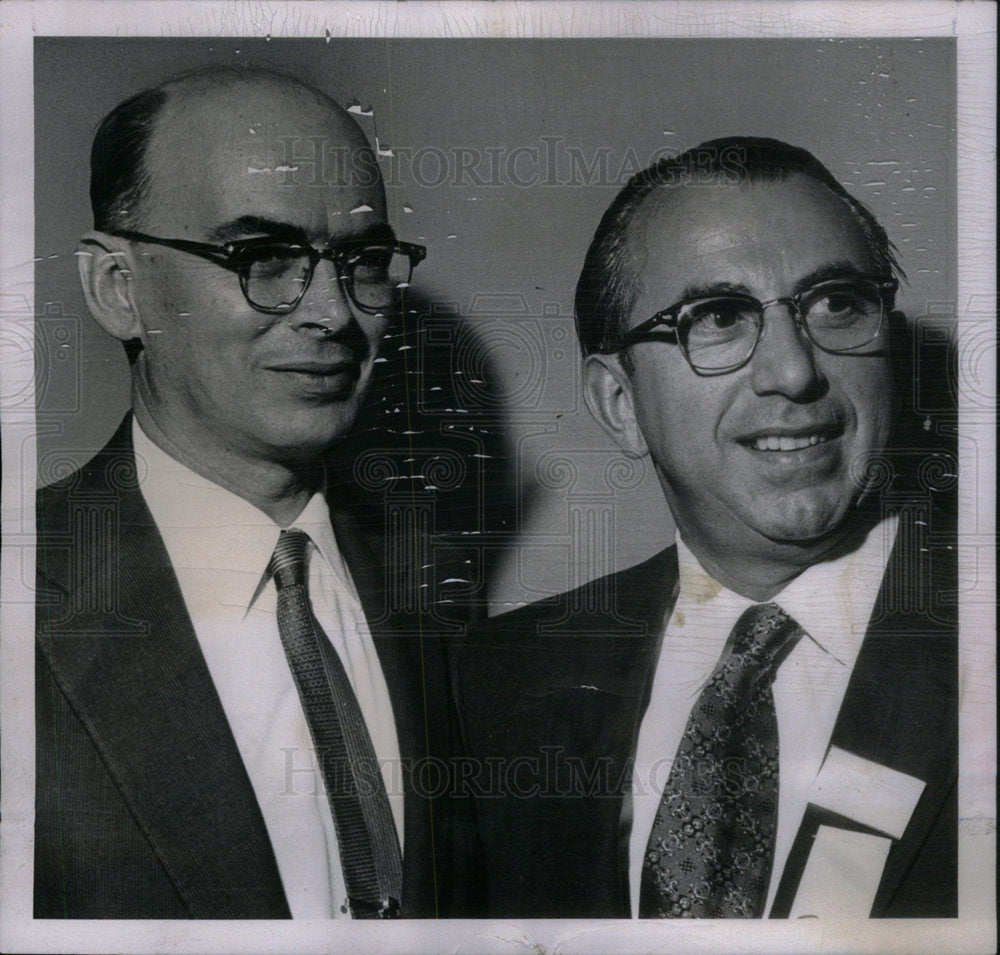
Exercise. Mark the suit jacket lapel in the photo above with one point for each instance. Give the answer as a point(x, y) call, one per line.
point(647, 592)
point(644, 678)
point(399, 656)
point(410, 652)
point(900, 707)
point(136, 676)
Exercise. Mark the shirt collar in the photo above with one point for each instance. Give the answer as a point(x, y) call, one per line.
point(832, 601)
point(206, 526)
point(315, 521)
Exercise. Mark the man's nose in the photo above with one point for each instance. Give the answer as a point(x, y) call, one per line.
point(785, 360)
point(325, 305)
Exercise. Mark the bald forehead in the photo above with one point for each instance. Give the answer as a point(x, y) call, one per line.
point(202, 117)
point(764, 239)
point(244, 142)
point(708, 219)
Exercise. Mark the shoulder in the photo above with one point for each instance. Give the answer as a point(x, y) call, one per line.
point(86, 507)
point(569, 672)
point(920, 580)
point(602, 622)
point(621, 602)
point(112, 470)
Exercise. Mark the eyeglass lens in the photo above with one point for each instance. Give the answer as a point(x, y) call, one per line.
point(839, 316)
point(276, 276)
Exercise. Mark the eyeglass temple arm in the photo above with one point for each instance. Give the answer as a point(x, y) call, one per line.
point(655, 329)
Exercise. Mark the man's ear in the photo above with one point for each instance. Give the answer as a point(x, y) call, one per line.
point(105, 276)
point(607, 390)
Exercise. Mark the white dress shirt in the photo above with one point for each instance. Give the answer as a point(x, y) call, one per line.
point(832, 602)
point(219, 546)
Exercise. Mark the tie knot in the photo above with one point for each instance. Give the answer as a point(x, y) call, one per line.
point(763, 632)
point(288, 562)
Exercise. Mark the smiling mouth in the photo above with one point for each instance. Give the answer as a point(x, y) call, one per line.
point(320, 380)
point(785, 442)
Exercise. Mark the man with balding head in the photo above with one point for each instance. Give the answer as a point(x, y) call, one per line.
point(761, 720)
point(231, 719)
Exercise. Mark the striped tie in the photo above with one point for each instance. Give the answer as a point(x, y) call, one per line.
point(366, 834)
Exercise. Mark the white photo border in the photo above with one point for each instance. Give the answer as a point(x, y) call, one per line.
point(974, 26)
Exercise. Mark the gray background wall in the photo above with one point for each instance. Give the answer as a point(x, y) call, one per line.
point(505, 154)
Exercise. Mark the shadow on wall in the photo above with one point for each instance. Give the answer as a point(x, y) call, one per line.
point(923, 459)
point(428, 464)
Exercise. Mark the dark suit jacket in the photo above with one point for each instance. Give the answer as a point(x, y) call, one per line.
point(550, 699)
point(143, 806)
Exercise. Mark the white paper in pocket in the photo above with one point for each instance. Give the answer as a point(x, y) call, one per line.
point(844, 868)
point(842, 875)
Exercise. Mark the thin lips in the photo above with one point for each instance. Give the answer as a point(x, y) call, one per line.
point(318, 367)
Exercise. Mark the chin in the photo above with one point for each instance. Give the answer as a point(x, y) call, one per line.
point(794, 521)
point(307, 445)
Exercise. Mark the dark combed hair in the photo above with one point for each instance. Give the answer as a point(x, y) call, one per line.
point(119, 179)
point(606, 290)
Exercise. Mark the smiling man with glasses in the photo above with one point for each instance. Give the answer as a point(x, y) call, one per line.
point(760, 721)
point(231, 718)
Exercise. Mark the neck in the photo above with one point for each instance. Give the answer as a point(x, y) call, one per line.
point(278, 489)
point(762, 568)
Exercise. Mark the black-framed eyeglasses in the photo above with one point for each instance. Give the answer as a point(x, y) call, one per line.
point(274, 274)
point(719, 333)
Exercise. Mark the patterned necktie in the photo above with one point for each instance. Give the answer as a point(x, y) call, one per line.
point(710, 851)
point(366, 834)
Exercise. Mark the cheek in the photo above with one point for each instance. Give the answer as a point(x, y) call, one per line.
point(162, 288)
point(199, 294)
point(374, 329)
point(678, 414)
point(189, 340)
point(207, 342)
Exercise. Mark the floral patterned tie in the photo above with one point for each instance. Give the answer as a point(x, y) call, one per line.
point(710, 851)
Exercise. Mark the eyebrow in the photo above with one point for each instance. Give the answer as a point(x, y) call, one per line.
point(842, 268)
point(245, 227)
point(249, 226)
point(714, 288)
